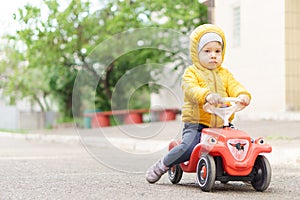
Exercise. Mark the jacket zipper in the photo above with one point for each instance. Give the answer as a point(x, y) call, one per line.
point(216, 90)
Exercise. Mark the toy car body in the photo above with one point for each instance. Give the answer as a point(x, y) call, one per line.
point(226, 154)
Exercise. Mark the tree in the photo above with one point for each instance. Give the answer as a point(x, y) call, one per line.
point(56, 43)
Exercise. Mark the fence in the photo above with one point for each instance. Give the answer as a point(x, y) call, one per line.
point(13, 119)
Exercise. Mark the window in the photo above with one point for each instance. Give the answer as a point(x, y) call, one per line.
point(236, 26)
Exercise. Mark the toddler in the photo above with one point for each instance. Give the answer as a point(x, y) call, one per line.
point(204, 81)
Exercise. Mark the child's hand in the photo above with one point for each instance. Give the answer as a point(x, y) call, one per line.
point(213, 98)
point(244, 99)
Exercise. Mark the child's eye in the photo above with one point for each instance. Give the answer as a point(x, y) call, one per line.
point(206, 51)
point(218, 51)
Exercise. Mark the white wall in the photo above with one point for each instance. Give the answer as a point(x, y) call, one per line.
point(170, 94)
point(9, 118)
point(259, 61)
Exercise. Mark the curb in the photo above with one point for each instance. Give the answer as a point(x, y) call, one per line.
point(48, 138)
point(280, 155)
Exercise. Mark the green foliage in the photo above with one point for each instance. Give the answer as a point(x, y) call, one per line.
point(44, 56)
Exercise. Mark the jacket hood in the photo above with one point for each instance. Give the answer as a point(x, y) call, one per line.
point(195, 37)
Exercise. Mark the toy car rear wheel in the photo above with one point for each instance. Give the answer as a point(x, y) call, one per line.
point(175, 174)
point(262, 174)
point(206, 172)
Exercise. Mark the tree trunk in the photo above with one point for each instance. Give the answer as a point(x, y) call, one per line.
point(105, 81)
point(39, 102)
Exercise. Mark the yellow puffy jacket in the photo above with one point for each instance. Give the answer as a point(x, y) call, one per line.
point(198, 82)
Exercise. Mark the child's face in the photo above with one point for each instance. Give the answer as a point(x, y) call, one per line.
point(210, 55)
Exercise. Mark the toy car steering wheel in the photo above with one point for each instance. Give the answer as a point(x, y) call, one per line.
point(224, 112)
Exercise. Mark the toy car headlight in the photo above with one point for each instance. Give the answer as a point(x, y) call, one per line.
point(260, 141)
point(210, 140)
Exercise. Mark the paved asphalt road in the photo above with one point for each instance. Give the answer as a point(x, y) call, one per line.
point(109, 164)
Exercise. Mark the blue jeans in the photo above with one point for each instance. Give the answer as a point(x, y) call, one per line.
point(190, 138)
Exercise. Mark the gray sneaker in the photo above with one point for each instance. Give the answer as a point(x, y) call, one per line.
point(156, 171)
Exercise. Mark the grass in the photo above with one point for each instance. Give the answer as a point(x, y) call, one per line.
point(14, 131)
point(278, 138)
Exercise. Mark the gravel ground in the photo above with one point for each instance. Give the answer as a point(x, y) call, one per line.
point(59, 168)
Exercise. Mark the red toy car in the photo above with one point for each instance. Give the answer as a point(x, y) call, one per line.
point(226, 154)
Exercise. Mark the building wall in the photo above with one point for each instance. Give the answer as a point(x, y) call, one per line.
point(170, 95)
point(292, 29)
point(258, 59)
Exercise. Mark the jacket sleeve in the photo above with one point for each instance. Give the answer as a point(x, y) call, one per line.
point(235, 88)
point(194, 88)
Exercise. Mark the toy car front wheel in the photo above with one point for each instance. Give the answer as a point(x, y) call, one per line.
point(175, 174)
point(262, 174)
point(206, 172)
